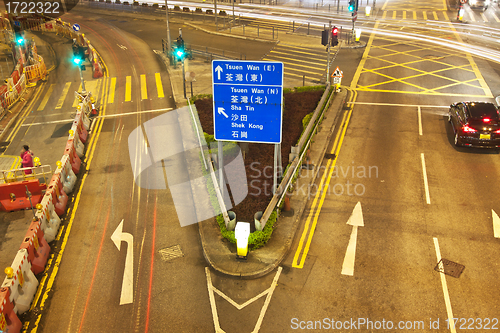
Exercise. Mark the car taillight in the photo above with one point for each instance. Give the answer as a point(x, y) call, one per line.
point(467, 129)
point(497, 131)
point(486, 120)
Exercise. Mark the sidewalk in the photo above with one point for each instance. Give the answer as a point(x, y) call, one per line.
point(220, 253)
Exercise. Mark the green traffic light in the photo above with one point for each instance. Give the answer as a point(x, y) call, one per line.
point(180, 53)
point(20, 40)
point(77, 60)
point(350, 8)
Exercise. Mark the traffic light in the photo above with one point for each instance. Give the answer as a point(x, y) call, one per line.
point(18, 35)
point(179, 52)
point(335, 37)
point(324, 37)
point(352, 6)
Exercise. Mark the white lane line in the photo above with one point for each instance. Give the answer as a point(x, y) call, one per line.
point(212, 302)
point(419, 121)
point(268, 299)
point(445, 289)
point(105, 116)
point(496, 224)
point(405, 105)
point(426, 185)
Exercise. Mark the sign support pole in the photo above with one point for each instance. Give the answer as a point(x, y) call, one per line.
point(221, 168)
point(275, 173)
point(328, 47)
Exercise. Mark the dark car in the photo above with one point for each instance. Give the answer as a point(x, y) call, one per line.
point(475, 124)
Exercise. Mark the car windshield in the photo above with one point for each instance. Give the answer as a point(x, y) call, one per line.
point(483, 110)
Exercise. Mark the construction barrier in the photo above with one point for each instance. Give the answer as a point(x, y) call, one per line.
point(21, 281)
point(48, 218)
point(37, 247)
point(59, 198)
point(13, 196)
point(77, 144)
point(37, 71)
point(79, 129)
point(9, 322)
point(68, 177)
point(17, 175)
point(74, 159)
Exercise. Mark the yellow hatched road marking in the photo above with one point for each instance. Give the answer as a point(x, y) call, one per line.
point(111, 96)
point(128, 89)
point(446, 18)
point(60, 102)
point(322, 191)
point(159, 86)
point(425, 15)
point(384, 15)
point(46, 97)
point(144, 89)
point(394, 14)
point(414, 15)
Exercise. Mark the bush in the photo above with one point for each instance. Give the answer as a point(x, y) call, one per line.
point(198, 10)
point(155, 5)
point(136, 3)
point(144, 4)
point(125, 3)
point(309, 88)
point(306, 120)
point(222, 13)
point(177, 8)
point(208, 138)
point(186, 9)
point(117, 1)
point(209, 11)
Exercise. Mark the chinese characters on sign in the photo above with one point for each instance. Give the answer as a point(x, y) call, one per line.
point(248, 99)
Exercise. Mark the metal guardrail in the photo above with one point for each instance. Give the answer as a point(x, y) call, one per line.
point(18, 175)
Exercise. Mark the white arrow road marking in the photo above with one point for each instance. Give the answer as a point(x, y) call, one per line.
point(218, 69)
point(221, 111)
point(496, 224)
point(123, 47)
point(269, 292)
point(356, 220)
point(118, 237)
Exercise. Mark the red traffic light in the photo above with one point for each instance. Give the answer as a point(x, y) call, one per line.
point(335, 30)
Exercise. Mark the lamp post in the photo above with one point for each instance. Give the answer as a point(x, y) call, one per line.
point(168, 34)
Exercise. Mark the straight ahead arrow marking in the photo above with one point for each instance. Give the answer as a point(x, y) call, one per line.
point(496, 224)
point(356, 220)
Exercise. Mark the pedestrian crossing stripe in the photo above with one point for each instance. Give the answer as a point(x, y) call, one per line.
point(111, 96)
point(46, 97)
point(128, 89)
point(159, 86)
point(144, 90)
point(63, 95)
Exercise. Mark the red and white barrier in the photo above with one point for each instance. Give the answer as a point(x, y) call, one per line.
point(74, 159)
point(48, 218)
point(77, 144)
point(37, 247)
point(68, 177)
point(9, 322)
point(79, 129)
point(21, 281)
point(60, 199)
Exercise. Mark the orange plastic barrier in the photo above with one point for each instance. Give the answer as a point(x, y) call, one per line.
point(13, 195)
point(59, 198)
point(74, 160)
point(9, 322)
point(37, 246)
point(80, 129)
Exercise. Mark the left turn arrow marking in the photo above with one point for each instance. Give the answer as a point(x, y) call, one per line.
point(127, 295)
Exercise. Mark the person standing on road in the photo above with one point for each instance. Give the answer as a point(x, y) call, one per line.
point(27, 159)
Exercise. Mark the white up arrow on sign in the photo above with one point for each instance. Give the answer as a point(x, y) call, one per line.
point(218, 69)
point(127, 295)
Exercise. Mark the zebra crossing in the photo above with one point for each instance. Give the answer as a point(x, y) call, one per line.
point(307, 63)
point(120, 89)
point(438, 15)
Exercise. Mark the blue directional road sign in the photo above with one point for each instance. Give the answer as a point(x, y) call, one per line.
point(76, 27)
point(248, 100)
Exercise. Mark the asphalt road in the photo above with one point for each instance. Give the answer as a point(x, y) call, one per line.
point(404, 231)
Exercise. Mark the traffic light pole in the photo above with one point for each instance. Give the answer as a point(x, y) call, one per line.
point(169, 46)
point(184, 79)
point(84, 91)
point(328, 48)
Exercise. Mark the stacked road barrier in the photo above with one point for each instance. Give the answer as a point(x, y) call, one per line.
point(20, 284)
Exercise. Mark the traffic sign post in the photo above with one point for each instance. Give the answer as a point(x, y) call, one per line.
point(337, 78)
point(248, 100)
point(248, 103)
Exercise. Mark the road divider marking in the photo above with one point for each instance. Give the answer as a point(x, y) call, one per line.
point(356, 220)
point(496, 224)
point(46, 97)
point(144, 88)
point(111, 96)
point(159, 86)
point(269, 292)
point(426, 185)
point(419, 121)
point(445, 288)
point(128, 89)
point(60, 102)
point(319, 198)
